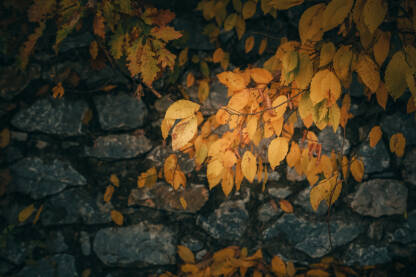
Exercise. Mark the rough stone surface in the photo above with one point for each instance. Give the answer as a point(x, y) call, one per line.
point(407, 232)
point(159, 154)
point(193, 28)
point(120, 111)
point(52, 116)
point(115, 147)
point(293, 176)
point(280, 192)
point(400, 123)
point(366, 255)
point(142, 243)
point(375, 159)
point(75, 206)
point(312, 237)
point(62, 265)
point(409, 167)
point(266, 211)
point(163, 196)
point(13, 250)
point(38, 178)
point(57, 243)
point(13, 81)
point(303, 200)
point(333, 141)
point(380, 197)
point(84, 240)
point(228, 222)
point(162, 104)
point(192, 243)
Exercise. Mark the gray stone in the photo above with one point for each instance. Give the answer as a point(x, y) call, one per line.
point(52, 116)
point(12, 249)
point(366, 255)
point(38, 178)
point(312, 237)
point(163, 196)
point(5, 267)
point(62, 265)
point(135, 245)
point(84, 240)
point(228, 222)
point(293, 176)
point(120, 111)
point(159, 154)
point(193, 31)
point(75, 206)
point(375, 231)
point(115, 147)
point(56, 243)
point(280, 192)
point(192, 243)
point(333, 141)
point(380, 197)
point(303, 200)
point(13, 81)
point(375, 159)
point(409, 167)
point(162, 104)
point(407, 232)
point(18, 136)
point(76, 40)
point(266, 211)
point(400, 123)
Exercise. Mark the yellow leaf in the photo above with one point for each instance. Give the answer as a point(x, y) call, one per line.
point(117, 217)
point(58, 91)
point(183, 132)
point(169, 168)
point(375, 136)
point(317, 273)
point(293, 156)
point(181, 109)
point(335, 13)
point(239, 100)
point(237, 5)
point(240, 27)
point(357, 169)
point(285, 4)
point(310, 24)
point(277, 151)
point(249, 9)
point(215, 171)
point(397, 144)
point(249, 44)
point(279, 106)
point(201, 154)
point(203, 90)
point(374, 12)
point(325, 85)
point(326, 165)
point(227, 181)
point(286, 206)
point(305, 71)
point(4, 138)
point(342, 61)
point(278, 266)
point(252, 126)
point(411, 83)
point(93, 49)
point(114, 180)
point(166, 126)
point(186, 268)
point(327, 53)
point(26, 213)
point(344, 166)
point(263, 45)
point(218, 55)
point(382, 95)
point(190, 79)
point(223, 254)
point(290, 268)
point(368, 72)
point(186, 255)
point(37, 215)
point(381, 47)
point(395, 75)
point(230, 22)
point(147, 178)
point(179, 179)
point(108, 193)
point(165, 33)
point(325, 190)
point(183, 56)
point(249, 166)
point(232, 80)
point(261, 75)
point(334, 116)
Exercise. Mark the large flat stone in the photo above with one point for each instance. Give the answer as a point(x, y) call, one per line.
point(62, 265)
point(375, 159)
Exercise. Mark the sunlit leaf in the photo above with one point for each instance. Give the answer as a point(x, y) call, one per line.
point(397, 144)
point(249, 166)
point(215, 172)
point(114, 180)
point(108, 193)
point(263, 45)
point(186, 255)
point(310, 24)
point(374, 12)
point(277, 151)
point(181, 109)
point(249, 44)
point(26, 213)
point(117, 217)
point(375, 136)
point(286, 206)
point(325, 85)
point(335, 13)
point(278, 266)
point(327, 53)
point(357, 169)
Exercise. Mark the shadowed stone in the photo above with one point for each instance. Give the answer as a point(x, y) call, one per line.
point(409, 164)
point(140, 244)
point(366, 255)
point(400, 123)
point(375, 159)
point(62, 265)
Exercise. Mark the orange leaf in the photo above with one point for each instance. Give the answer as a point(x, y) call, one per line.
point(238, 176)
point(261, 75)
point(190, 79)
point(277, 151)
point(397, 144)
point(382, 95)
point(186, 255)
point(280, 105)
point(169, 168)
point(26, 213)
point(239, 100)
point(114, 180)
point(227, 181)
point(215, 172)
point(263, 45)
point(249, 44)
point(375, 136)
point(293, 156)
point(4, 138)
point(218, 55)
point(165, 33)
point(317, 273)
point(278, 266)
point(179, 179)
point(93, 49)
point(37, 216)
point(286, 206)
point(117, 217)
point(249, 166)
point(229, 159)
point(357, 170)
point(232, 80)
point(98, 25)
point(108, 193)
point(58, 91)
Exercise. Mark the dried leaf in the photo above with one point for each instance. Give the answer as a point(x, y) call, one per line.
point(183, 57)
point(335, 13)
point(218, 55)
point(37, 215)
point(381, 47)
point(382, 95)
point(327, 53)
point(230, 21)
point(310, 24)
point(368, 72)
point(93, 49)
point(249, 9)
point(240, 27)
point(98, 25)
point(279, 106)
point(277, 151)
point(357, 169)
point(181, 109)
point(249, 44)
point(327, 189)
point(4, 138)
point(286, 206)
point(249, 166)
point(227, 181)
point(261, 75)
point(375, 136)
point(397, 144)
point(26, 213)
point(263, 46)
point(305, 71)
point(342, 61)
point(285, 4)
point(395, 75)
point(215, 171)
point(108, 193)
point(238, 101)
point(186, 255)
point(325, 85)
point(58, 91)
point(179, 179)
point(147, 178)
point(114, 180)
point(165, 33)
point(190, 79)
point(183, 132)
point(278, 266)
point(317, 273)
point(374, 12)
point(203, 90)
point(232, 80)
point(117, 217)
point(294, 154)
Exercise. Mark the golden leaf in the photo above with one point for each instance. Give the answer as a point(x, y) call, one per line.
point(4, 138)
point(263, 45)
point(230, 21)
point(93, 49)
point(326, 166)
point(324, 190)
point(108, 193)
point(238, 175)
point(335, 13)
point(344, 166)
point(293, 156)
point(285, 4)
point(227, 181)
point(382, 95)
point(215, 171)
point(203, 90)
point(239, 100)
point(305, 71)
point(290, 268)
point(325, 85)
point(240, 27)
point(368, 72)
point(381, 47)
point(114, 180)
point(117, 217)
point(249, 166)
point(147, 178)
point(58, 91)
point(277, 151)
point(98, 25)
point(395, 75)
point(249, 44)
point(165, 33)
point(259, 170)
point(252, 126)
point(278, 266)
point(277, 125)
point(181, 109)
point(397, 144)
point(280, 104)
point(186, 254)
point(317, 273)
point(37, 215)
point(342, 61)
point(169, 168)
point(373, 14)
point(186, 268)
point(218, 55)
point(249, 9)
point(183, 57)
point(286, 206)
point(116, 44)
point(201, 154)
point(357, 169)
point(26, 213)
point(261, 75)
point(232, 80)
point(179, 179)
point(327, 53)
point(375, 136)
point(166, 126)
point(334, 116)
point(183, 132)
point(190, 79)
point(310, 24)
point(148, 65)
